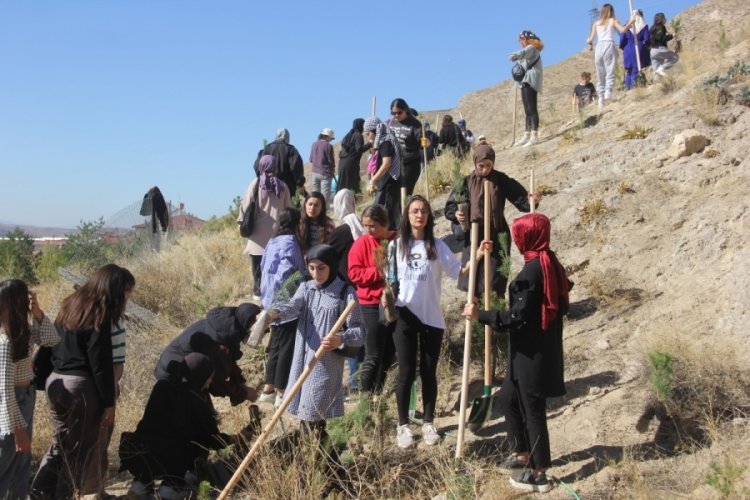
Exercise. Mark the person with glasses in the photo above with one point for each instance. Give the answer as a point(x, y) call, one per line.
point(421, 260)
point(408, 131)
point(502, 188)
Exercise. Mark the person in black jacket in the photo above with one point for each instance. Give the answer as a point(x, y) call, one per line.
point(352, 147)
point(467, 204)
point(451, 137)
point(178, 427)
point(408, 131)
point(661, 57)
point(218, 337)
point(81, 389)
point(289, 164)
point(534, 321)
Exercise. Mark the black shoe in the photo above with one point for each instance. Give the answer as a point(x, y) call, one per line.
point(526, 481)
point(513, 464)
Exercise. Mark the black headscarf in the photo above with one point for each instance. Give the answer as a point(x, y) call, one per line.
point(328, 256)
point(358, 127)
point(198, 369)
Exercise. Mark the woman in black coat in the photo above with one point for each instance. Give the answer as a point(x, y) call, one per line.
point(218, 337)
point(352, 147)
point(534, 322)
point(178, 427)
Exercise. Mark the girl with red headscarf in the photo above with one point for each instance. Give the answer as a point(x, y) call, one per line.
point(534, 322)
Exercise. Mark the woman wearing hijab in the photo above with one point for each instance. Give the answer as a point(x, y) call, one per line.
point(218, 336)
point(628, 45)
point(530, 57)
point(178, 426)
point(386, 181)
point(272, 197)
point(534, 322)
point(502, 188)
point(352, 147)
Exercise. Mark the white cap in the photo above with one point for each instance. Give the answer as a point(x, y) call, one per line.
point(328, 132)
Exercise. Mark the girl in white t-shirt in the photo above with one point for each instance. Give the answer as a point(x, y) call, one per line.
point(421, 260)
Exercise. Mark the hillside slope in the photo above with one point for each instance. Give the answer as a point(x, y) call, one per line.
point(658, 246)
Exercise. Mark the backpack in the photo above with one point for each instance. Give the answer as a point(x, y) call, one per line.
point(518, 71)
point(248, 219)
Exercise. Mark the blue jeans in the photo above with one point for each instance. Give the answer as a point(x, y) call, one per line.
point(15, 468)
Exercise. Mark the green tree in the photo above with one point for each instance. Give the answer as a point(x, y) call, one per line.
point(87, 249)
point(17, 256)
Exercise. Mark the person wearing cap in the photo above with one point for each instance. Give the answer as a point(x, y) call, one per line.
point(502, 188)
point(218, 336)
point(323, 164)
point(468, 135)
point(530, 58)
point(385, 182)
point(289, 165)
point(482, 140)
point(317, 304)
point(408, 131)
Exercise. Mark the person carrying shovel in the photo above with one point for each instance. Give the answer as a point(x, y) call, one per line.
point(534, 321)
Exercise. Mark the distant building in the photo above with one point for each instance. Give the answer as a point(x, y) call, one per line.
point(179, 220)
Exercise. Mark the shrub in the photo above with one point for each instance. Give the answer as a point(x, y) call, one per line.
point(636, 132)
point(723, 478)
point(17, 256)
point(593, 210)
point(706, 104)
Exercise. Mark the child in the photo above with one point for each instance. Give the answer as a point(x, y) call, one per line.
point(534, 321)
point(317, 304)
point(584, 93)
point(661, 57)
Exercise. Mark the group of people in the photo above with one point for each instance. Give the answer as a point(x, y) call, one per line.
point(389, 258)
point(642, 47)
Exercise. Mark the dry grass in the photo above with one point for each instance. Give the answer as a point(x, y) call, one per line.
point(625, 187)
point(194, 274)
point(593, 210)
point(636, 132)
point(705, 104)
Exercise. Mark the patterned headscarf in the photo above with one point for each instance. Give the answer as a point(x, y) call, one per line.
point(267, 165)
point(531, 233)
point(383, 133)
point(528, 35)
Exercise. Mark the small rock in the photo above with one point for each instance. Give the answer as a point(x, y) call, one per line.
point(602, 344)
point(595, 390)
point(686, 143)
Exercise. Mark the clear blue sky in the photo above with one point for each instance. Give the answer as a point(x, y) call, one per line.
point(100, 100)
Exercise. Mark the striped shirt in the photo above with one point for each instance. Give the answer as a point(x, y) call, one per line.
point(118, 346)
point(20, 372)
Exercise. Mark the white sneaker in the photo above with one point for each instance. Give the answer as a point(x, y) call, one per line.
point(277, 401)
point(523, 140)
point(256, 297)
point(430, 434)
point(533, 139)
point(661, 71)
point(404, 436)
point(267, 397)
point(601, 102)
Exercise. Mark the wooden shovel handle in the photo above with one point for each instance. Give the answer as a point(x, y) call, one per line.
point(487, 285)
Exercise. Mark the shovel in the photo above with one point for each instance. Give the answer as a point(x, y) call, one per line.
point(467, 345)
point(261, 439)
point(481, 407)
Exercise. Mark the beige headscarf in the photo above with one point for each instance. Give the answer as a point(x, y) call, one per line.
point(343, 208)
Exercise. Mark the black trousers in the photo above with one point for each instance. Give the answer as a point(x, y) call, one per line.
point(255, 265)
point(378, 350)
point(526, 416)
point(280, 354)
point(410, 336)
point(411, 171)
point(389, 196)
point(528, 96)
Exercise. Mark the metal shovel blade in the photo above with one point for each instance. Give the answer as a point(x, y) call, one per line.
point(480, 409)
